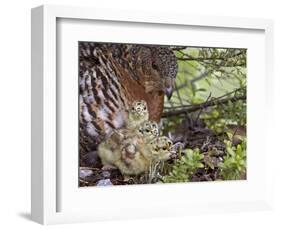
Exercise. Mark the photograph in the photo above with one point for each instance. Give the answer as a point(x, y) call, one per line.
point(157, 114)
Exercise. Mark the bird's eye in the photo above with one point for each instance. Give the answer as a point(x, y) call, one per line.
point(164, 148)
point(154, 66)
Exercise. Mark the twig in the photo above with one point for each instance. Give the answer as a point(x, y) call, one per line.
point(178, 94)
point(202, 106)
point(89, 168)
point(216, 99)
point(198, 115)
point(83, 181)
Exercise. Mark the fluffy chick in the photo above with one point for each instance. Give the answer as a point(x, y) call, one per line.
point(160, 148)
point(138, 113)
point(136, 157)
point(132, 161)
point(131, 149)
point(149, 130)
point(122, 144)
point(124, 153)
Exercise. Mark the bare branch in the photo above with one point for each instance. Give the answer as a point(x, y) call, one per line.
point(202, 106)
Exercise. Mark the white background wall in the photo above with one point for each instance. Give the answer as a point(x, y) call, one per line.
point(15, 113)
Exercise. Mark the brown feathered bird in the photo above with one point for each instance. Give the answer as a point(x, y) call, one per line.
point(112, 77)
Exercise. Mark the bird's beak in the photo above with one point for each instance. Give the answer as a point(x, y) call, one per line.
point(169, 92)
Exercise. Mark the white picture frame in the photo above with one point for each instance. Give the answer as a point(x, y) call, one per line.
point(47, 176)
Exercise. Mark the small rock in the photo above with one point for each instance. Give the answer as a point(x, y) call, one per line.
point(105, 182)
point(105, 174)
point(85, 173)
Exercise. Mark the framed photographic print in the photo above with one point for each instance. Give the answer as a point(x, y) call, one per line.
point(140, 114)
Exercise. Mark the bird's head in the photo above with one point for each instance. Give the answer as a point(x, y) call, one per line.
point(164, 62)
point(161, 148)
point(149, 130)
point(138, 111)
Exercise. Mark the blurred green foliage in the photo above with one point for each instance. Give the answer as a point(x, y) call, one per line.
point(222, 115)
point(233, 166)
point(209, 74)
point(205, 71)
point(215, 79)
point(184, 167)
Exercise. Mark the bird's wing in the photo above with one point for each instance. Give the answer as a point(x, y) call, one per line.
point(102, 104)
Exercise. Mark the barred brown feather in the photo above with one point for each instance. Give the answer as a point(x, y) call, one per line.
point(111, 77)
